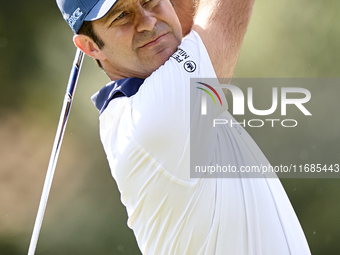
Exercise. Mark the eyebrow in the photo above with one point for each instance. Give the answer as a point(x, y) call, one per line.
point(115, 9)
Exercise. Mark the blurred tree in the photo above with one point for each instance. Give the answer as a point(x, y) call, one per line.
point(19, 23)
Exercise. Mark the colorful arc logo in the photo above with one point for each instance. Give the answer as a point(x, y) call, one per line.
point(204, 99)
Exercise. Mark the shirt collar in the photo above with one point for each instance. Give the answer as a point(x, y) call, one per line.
point(120, 88)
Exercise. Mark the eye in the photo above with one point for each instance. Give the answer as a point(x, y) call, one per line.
point(147, 1)
point(120, 16)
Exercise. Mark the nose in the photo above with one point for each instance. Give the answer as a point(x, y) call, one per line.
point(145, 21)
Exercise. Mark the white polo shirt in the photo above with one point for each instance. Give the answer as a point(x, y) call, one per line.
point(145, 131)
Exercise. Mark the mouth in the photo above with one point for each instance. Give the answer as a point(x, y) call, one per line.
point(154, 41)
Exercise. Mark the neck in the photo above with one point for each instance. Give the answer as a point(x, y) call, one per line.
point(116, 74)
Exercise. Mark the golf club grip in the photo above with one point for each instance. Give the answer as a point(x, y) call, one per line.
point(71, 87)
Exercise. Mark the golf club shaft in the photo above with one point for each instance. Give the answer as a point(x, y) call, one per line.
point(71, 87)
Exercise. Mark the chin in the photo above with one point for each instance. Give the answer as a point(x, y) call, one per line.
point(165, 55)
point(158, 60)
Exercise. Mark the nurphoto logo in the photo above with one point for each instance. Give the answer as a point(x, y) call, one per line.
point(239, 99)
point(204, 96)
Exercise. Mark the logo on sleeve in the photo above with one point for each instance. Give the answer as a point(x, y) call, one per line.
point(182, 56)
point(190, 66)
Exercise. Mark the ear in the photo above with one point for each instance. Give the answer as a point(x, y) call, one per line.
point(88, 46)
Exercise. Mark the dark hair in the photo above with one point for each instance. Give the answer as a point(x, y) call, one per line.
point(87, 29)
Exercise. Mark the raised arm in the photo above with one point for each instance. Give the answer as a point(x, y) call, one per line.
point(222, 25)
point(185, 10)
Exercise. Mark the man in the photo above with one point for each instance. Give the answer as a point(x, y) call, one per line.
point(145, 128)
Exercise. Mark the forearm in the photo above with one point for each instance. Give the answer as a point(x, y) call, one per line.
point(186, 10)
point(222, 25)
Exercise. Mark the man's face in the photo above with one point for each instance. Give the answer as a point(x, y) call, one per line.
point(139, 36)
